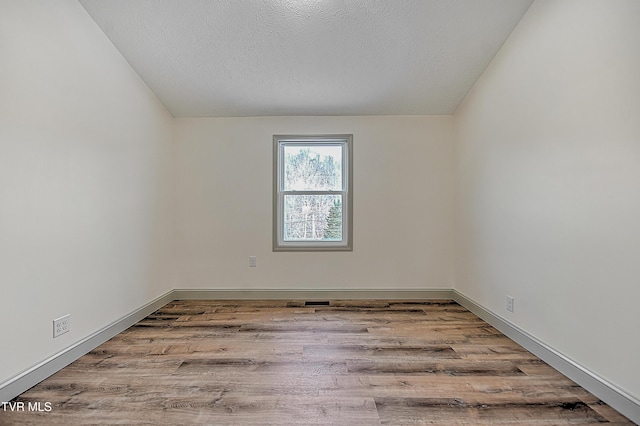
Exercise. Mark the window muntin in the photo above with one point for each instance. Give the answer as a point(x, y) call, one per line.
point(312, 193)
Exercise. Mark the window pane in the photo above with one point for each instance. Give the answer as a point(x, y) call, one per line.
point(312, 218)
point(313, 167)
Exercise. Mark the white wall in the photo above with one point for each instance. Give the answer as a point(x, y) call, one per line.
point(85, 163)
point(402, 205)
point(548, 155)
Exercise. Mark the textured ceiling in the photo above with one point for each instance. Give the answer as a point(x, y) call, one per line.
point(208, 58)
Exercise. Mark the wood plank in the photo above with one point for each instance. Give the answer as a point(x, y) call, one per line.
point(454, 411)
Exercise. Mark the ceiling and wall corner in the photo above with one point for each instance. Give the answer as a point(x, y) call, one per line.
point(308, 57)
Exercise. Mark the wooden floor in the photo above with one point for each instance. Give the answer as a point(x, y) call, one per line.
point(281, 362)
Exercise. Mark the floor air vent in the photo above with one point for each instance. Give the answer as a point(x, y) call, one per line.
point(316, 303)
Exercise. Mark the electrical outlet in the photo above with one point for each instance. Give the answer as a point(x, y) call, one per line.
point(252, 261)
point(510, 302)
point(61, 325)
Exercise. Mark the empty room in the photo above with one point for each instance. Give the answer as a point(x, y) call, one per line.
point(320, 212)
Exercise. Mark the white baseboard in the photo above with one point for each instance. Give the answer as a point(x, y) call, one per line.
point(607, 392)
point(207, 294)
point(34, 375)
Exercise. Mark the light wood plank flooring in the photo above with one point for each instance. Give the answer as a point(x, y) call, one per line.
point(281, 362)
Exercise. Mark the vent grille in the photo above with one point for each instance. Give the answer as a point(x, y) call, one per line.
point(316, 303)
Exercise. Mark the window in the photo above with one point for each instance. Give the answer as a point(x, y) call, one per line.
point(312, 193)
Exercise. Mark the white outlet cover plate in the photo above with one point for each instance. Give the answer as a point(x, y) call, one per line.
point(61, 325)
point(510, 302)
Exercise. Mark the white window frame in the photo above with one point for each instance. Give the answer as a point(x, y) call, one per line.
point(279, 142)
